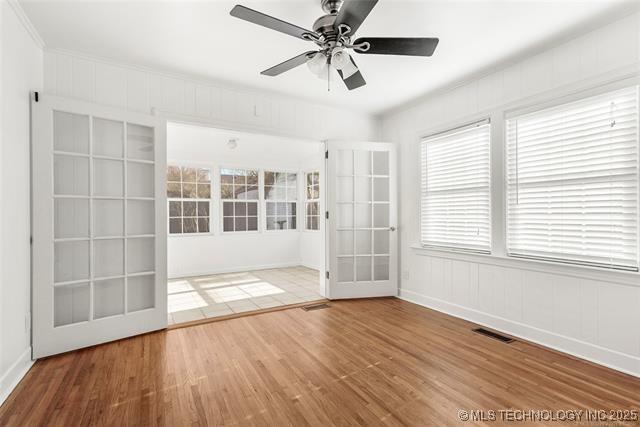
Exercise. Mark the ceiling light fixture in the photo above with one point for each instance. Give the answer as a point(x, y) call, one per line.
point(319, 65)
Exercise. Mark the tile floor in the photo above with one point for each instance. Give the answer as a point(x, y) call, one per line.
point(201, 297)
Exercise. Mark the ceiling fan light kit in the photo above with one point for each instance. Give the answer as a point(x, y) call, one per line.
point(333, 33)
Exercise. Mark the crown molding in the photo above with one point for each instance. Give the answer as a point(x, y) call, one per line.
point(26, 23)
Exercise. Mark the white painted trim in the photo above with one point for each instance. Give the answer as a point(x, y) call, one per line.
point(236, 269)
point(627, 278)
point(12, 377)
point(593, 353)
point(26, 23)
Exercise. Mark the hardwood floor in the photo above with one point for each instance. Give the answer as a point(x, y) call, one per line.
point(359, 362)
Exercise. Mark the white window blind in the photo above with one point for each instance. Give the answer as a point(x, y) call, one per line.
point(572, 182)
point(455, 197)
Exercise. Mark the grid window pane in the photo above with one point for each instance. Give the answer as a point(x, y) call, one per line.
point(252, 223)
point(189, 174)
point(189, 225)
point(185, 186)
point(312, 202)
point(239, 190)
point(281, 196)
point(203, 225)
point(174, 190)
point(204, 191)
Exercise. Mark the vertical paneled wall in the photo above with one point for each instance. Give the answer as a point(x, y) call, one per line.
point(184, 98)
point(21, 61)
point(591, 314)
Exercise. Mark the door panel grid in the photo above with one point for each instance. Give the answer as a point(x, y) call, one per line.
point(362, 212)
point(99, 240)
point(99, 247)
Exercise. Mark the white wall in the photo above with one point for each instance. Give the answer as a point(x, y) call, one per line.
point(591, 313)
point(190, 255)
point(21, 73)
point(196, 100)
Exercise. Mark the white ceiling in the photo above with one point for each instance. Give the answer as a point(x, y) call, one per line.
point(206, 144)
point(202, 39)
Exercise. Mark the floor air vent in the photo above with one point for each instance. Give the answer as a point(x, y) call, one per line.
point(493, 335)
point(315, 307)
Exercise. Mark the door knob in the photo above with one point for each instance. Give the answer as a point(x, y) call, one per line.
point(392, 228)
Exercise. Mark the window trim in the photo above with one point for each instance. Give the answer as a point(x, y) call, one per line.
point(444, 131)
point(210, 200)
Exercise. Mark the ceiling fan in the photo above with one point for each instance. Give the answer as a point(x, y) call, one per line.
point(333, 34)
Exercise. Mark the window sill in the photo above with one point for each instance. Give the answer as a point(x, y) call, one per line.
point(629, 278)
point(181, 235)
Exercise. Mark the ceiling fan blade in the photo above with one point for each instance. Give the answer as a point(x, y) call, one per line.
point(353, 81)
point(398, 46)
point(268, 21)
point(289, 64)
point(353, 13)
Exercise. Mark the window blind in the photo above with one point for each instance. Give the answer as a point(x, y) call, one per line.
point(455, 196)
point(572, 182)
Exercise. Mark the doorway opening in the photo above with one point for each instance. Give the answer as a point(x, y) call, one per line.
point(245, 229)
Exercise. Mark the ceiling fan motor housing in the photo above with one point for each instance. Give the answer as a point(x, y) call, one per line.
point(324, 25)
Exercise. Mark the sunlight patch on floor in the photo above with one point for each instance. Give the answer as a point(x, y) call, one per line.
point(202, 297)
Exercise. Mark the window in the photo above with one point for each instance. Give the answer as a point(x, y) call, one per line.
point(572, 182)
point(239, 194)
point(455, 196)
point(312, 204)
point(188, 194)
point(281, 194)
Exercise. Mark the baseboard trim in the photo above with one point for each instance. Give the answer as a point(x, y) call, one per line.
point(234, 270)
point(14, 374)
point(583, 350)
point(313, 267)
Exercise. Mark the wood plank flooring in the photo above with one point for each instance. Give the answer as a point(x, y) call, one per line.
point(359, 362)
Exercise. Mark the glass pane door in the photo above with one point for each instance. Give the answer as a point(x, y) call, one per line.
point(99, 246)
point(101, 201)
point(362, 229)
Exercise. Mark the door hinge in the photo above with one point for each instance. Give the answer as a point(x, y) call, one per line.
point(326, 154)
point(327, 274)
point(326, 214)
point(36, 96)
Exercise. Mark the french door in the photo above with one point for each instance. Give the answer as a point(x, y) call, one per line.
point(362, 206)
point(98, 222)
